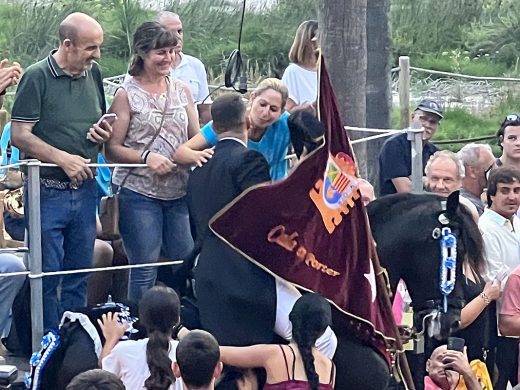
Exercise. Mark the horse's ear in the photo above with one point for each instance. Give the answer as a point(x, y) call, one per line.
point(452, 204)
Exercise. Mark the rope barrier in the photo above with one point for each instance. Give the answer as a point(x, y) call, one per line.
point(374, 130)
point(465, 76)
point(463, 140)
point(85, 270)
point(372, 137)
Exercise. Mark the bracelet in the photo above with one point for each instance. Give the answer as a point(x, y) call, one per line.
point(486, 299)
point(144, 155)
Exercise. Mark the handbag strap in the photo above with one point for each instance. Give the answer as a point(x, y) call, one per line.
point(166, 102)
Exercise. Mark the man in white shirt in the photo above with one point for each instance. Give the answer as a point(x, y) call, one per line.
point(501, 234)
point(188, 68)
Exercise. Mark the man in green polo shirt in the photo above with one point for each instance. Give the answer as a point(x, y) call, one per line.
point(58, 103)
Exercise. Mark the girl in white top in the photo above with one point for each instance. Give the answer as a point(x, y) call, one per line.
point(301, 77)
point(144, 364)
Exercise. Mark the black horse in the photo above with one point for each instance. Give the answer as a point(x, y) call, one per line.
point(407, 229)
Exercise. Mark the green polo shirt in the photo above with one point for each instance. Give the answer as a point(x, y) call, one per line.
point(62, 108)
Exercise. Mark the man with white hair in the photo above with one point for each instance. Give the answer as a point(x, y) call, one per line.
point(188, 68)
point(478, 161)
point(444, 174)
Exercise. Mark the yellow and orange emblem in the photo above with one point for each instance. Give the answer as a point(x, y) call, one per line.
point(334, 195)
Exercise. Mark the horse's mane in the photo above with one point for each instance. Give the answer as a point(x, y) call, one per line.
point(472, 239)
point(388, 207)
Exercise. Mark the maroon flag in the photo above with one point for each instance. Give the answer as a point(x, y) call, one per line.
point(311, 229)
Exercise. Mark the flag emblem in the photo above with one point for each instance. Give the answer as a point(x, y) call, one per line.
point(334, 195)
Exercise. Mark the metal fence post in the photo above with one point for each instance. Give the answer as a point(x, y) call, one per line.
point(404, 91)
point(415, 135)
point(35, 252)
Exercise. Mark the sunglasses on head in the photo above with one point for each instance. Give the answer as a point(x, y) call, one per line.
point(512, 118)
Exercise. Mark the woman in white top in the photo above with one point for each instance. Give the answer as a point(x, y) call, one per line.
point(301, 77)
point(144, 364)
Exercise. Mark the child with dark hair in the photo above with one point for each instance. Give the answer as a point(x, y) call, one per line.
point(198, 361)
point(96, 380)
point(145, 364)
point(299, 365)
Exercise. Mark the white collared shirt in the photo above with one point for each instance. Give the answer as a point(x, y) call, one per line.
point(191, 70)
point(501, 243)
point(234, 139)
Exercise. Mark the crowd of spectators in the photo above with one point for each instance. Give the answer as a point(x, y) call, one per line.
point(489, 189)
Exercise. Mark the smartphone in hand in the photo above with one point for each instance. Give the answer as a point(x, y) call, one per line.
point(110, 118)
point(456, 344)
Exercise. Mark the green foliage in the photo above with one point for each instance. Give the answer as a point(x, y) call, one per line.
point(266, 37)
point(429, 26)
point(497, 36)
point(29, 30)
point(453, 62)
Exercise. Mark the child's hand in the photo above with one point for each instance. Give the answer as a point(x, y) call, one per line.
point(112, 327)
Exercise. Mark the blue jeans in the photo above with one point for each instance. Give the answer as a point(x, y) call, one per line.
point(9, 287)
point(151, 228)
point(68, 228)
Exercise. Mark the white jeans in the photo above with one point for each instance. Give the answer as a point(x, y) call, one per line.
point(286, 296)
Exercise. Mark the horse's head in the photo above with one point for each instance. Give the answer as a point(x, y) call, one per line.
point(412, 233)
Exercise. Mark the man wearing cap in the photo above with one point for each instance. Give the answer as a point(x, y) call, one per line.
point(395, 158)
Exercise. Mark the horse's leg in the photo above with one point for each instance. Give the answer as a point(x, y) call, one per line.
point(359, 367)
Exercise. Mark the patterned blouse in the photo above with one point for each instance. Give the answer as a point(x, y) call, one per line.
point(146, 111)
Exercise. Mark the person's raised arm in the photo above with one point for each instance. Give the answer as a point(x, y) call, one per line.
point(458, 362)
point(113, 330)
point(472, 310)
point(248, 357)
point(194, 151)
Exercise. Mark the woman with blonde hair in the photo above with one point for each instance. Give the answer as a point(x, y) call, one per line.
point(267, 127)
point(301, 76)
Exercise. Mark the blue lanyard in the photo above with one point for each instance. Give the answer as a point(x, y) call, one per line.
point(448, 266)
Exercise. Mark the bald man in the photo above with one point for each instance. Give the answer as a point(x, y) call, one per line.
point(445, 369)
point(54, 119)
point(188, 68)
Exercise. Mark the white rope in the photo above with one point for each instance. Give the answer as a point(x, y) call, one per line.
point(85, 270)
point(93, 165)
point(2, 275)
point(372, 130)
point(13, 165)
point(465, 75)
point(372, 137)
